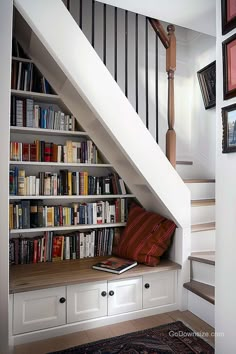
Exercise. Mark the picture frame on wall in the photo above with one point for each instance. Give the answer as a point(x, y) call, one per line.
point(229, 67)
point(229, 128)
point(207, 83)
point(228, 11)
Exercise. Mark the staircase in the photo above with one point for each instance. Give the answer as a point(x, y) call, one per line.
point(201, 287)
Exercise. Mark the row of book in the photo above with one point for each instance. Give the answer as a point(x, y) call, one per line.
point(26, 77)
point(26, 113)
point(63, 183)
point(41, 151)
point(28, 214)
point(51, 247)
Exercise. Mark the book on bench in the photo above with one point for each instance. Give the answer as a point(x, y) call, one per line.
point(115, 265)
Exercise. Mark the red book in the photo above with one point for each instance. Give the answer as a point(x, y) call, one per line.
point(25, 152)
point(57, 248)
point(33, 152)
point(47, 152)
point(35, 251)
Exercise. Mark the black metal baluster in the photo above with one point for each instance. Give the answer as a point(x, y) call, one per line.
point(156, 84)
point(115, 44)
point(126, 53)
point(81, 14)
point(136, 61)
point(93, 21)
point(104, 33)
point(146, 72)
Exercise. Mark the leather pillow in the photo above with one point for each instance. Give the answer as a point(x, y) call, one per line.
point(146, 236)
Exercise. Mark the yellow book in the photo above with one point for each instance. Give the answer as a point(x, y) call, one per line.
point(69, 183)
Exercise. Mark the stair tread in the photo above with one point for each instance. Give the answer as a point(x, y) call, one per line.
point(207, 257)
point(202, 202)
point(203, 227)
point(199, 180)
point(203, 290)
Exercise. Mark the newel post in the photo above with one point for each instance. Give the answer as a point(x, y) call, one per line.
point(170, 69)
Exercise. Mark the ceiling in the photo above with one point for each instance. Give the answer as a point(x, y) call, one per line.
point(198, 15)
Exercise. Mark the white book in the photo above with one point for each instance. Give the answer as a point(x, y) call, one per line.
point(67, 248)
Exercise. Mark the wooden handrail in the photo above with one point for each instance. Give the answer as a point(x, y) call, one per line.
point(169, 42)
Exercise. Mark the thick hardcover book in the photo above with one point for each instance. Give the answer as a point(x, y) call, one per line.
point(115, 265)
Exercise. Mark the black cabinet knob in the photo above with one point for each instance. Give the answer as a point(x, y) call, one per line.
point(103, 293)
point(62, 300)
point(147, 286)
point(111, 293)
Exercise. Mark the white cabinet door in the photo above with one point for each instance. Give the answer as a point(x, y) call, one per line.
point(86, 301)
point(33, 310)
point(159, 289)
point(124, 295)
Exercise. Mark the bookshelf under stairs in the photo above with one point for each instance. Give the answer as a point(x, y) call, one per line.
point(53, 167)
point(201, 287)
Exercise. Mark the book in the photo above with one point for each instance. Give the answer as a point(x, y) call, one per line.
point(115, 265)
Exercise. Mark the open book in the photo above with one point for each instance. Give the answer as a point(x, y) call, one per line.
point(115, 265)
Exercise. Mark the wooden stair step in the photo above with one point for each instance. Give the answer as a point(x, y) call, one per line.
point(200, 180)
point(205, 291)
point(207, 257)
point(203, 227)
point(202, 202)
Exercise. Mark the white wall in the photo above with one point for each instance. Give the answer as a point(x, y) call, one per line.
point(202, 50)
point(5, 68)
point(225, 219)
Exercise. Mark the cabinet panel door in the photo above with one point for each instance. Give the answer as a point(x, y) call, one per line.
point(127, 295)
point(33, 310)
point(86, 301)
point(159, 289)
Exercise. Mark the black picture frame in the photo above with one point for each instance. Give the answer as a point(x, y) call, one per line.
point(228, 15)
point(229, 83)
point(229, 128)
point(207, 81)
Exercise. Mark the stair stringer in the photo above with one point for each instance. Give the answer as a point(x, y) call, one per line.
point(89, 91)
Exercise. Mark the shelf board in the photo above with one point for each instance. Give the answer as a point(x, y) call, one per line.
point(25, 60)
point(71, 197)
point(45, 97)
point(60, 164)
point(40, 131)
point(67, 228)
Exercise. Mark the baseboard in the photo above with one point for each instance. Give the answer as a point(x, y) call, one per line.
point(89, 324)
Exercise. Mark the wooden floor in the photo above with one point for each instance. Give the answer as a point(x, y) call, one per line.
point(58, 343)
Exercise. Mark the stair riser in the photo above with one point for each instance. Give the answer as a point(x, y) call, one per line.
point(203, 241)
point(203, 272)
point(201, 308)
point(201, 190)
point(202, 214)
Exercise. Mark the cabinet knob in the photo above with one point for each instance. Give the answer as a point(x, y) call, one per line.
point(62, 300)
point(104, 293)
point(147, 286)
point(111, 293)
